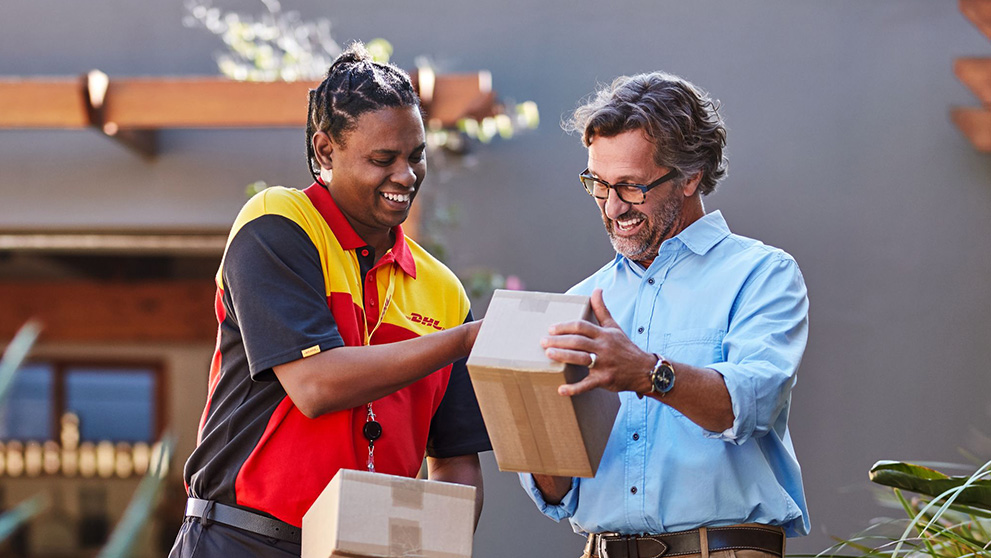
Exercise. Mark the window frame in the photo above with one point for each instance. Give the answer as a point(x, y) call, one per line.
point(60, 367)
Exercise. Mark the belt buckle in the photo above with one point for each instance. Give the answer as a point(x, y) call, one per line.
point(628, 546)
point(602, 549)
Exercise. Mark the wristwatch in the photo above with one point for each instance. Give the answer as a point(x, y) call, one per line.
point(661, 376)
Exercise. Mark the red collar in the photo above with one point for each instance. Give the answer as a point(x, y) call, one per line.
point(349, 239)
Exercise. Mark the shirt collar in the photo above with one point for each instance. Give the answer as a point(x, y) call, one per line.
point(705, 233)
point(346, 234)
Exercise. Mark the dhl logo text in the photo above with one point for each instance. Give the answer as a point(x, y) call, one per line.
point(420, 319)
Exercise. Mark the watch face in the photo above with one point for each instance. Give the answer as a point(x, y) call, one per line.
point(663, 380)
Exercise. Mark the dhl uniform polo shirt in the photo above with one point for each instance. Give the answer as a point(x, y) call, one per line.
point(297, 280)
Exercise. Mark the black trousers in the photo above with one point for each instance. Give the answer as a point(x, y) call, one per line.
point(196, 540)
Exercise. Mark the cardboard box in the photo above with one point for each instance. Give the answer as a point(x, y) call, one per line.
point(532, 428)
point(362, 514)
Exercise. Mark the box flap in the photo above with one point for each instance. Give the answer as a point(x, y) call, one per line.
point(514, 324)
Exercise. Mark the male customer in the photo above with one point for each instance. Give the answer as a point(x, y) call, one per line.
point(701, 332)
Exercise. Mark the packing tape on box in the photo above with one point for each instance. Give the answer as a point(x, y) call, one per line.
point(405, 537)
point(538, 424)
point(501, 404)
point(534, 304)
point(407, 493)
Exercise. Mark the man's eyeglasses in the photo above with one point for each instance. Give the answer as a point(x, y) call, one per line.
point(629, 193)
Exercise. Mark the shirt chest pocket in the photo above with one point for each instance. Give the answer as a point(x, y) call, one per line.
point(697, 347)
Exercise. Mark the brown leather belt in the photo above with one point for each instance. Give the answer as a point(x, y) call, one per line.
point(741, 537)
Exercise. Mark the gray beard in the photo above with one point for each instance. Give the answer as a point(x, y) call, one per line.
point(645, 244)
point(633, 248)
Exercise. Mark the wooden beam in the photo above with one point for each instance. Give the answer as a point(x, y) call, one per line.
point(95, 90)
point(979, 13)
point(975, 73)
point(449, 98)
point(117, 105)
point(975, 123)
point(150, 103)
point(42, 103)
point(85, 311)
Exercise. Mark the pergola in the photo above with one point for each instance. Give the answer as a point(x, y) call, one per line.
point(132, 110)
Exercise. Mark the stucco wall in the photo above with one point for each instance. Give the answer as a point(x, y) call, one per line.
point(841, 152)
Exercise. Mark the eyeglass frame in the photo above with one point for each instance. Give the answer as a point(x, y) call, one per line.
point(644, 188)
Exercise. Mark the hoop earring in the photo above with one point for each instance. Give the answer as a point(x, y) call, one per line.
point(326, 175)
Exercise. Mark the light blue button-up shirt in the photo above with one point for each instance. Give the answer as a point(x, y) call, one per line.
point(720, 301)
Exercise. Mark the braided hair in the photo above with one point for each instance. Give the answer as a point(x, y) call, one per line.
point(355, 84)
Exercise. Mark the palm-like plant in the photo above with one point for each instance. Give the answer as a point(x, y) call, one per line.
point(10, 362)
point(950, 517)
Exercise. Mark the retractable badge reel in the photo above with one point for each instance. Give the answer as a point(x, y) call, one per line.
point(372, 431)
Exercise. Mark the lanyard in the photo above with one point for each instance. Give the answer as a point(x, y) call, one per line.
point(373, 428)
point(389, 291)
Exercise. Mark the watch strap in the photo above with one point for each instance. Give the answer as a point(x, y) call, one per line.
point(651, 373)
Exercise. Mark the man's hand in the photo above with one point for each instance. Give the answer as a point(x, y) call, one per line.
point(619, 365)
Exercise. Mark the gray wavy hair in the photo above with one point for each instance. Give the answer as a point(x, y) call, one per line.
point(681, 119)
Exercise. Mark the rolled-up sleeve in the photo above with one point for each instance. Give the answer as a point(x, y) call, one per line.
point(556, 512)
point(763, 347)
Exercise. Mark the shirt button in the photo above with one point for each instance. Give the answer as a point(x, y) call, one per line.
point(633, 490)
point(640, 329)
point(650, 281)
point(636, 436)
point(365, 253)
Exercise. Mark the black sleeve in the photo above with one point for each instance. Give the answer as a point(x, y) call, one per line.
point(274, 278)
point(457, 427)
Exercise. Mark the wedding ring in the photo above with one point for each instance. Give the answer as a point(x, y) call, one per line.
point(592, 357)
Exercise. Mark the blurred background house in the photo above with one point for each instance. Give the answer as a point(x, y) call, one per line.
point(841, 151)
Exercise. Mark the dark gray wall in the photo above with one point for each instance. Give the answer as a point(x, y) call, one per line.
point(841, 152)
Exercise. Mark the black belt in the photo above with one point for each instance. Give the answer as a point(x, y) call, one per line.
point(208, 510)
point(766, 539)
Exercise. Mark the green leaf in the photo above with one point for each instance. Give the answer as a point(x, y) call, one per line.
point(917, 522)
point(142, 503)
point(15, 354)
point(971, 511)
point(973, 491)
point(255, 187)
point(380, 49)
point(11, 520)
